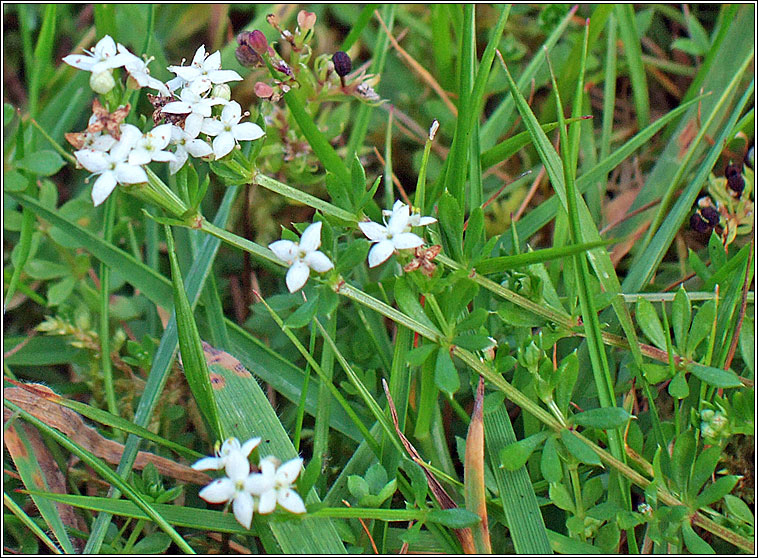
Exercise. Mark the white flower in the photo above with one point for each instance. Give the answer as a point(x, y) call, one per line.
point(150, 146)
point(393, 236)
point(137, 68)
point(302, 256)
point(186, 145)
point(198, 108)
point(415, 220)
point(101, 58)
point(202, 73)
point(97, 141)
point(228, 130)
point(232, 488)
point(113, 167)
point(229, 447)
point(274, 485)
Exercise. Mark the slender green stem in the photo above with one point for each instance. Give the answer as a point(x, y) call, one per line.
point(241, 243)
point(303, 197)
point(304, 393)
point(370, 440)
point(105, 336)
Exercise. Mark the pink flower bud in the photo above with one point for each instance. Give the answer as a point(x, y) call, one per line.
point(263, 90)
point(306, 20)
point(257, 41)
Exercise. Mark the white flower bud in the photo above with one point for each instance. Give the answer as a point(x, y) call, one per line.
point(433, 129)
point(102, 82)
point(222, 91)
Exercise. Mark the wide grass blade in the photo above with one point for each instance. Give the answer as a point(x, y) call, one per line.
point(245, 412)
point(520, 505)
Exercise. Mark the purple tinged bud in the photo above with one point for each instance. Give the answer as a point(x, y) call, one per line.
point(342, 63)
point(699, 224)
point(732, 170)
point(736, 183)
point(711, 215)
point(257, 41)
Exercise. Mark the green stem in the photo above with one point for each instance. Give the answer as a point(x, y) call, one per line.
point(241, 243)
point(299, 196)
point(105, 338)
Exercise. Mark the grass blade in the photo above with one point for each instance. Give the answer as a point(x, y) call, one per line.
point(245, 412)
point(107, 474)
point(633, 51)
point(193, 360)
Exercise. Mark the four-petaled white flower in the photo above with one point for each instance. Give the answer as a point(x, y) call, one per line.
point(186, 145)
point(415, 220)
point(202, 73)
point(137, 68)
point(228, 131)
point(198, 108)
point(229, 447)
point(274, 485)
point(392, 236)
point(101, 58)
point(233, 488)
point(113, 166)
point(150, 146)
point(302, 256)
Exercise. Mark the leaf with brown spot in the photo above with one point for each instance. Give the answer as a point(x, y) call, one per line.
point(39, 471)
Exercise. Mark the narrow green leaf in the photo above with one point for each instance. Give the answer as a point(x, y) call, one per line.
point(716, 491)
point(550, 463)
point(515, 455)
point(717, 377)
point(445, 374)
point(517, 496)
point(694, 543)
point(504, 263)
point(579, 449)
point(318, 142)
point(683, 458)
point(245, 412)
point(650, 323)
point(604, 419)
point(190, 345)
point(560, 496)
point(681, 315)
point(455, 518)
point(633, 51)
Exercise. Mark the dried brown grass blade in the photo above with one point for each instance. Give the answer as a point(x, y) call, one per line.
point(40, 401)
point(473, 473)
point(465, 537)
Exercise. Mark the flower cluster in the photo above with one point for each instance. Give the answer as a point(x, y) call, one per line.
point(302, 256)
point(185, 104)
point(261, 490)
point(395, 234)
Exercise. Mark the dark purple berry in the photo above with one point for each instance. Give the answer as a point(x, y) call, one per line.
point(732, 170)
point(698, 224)
point(736, 183)
point(342, 63)
point(711, 215)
